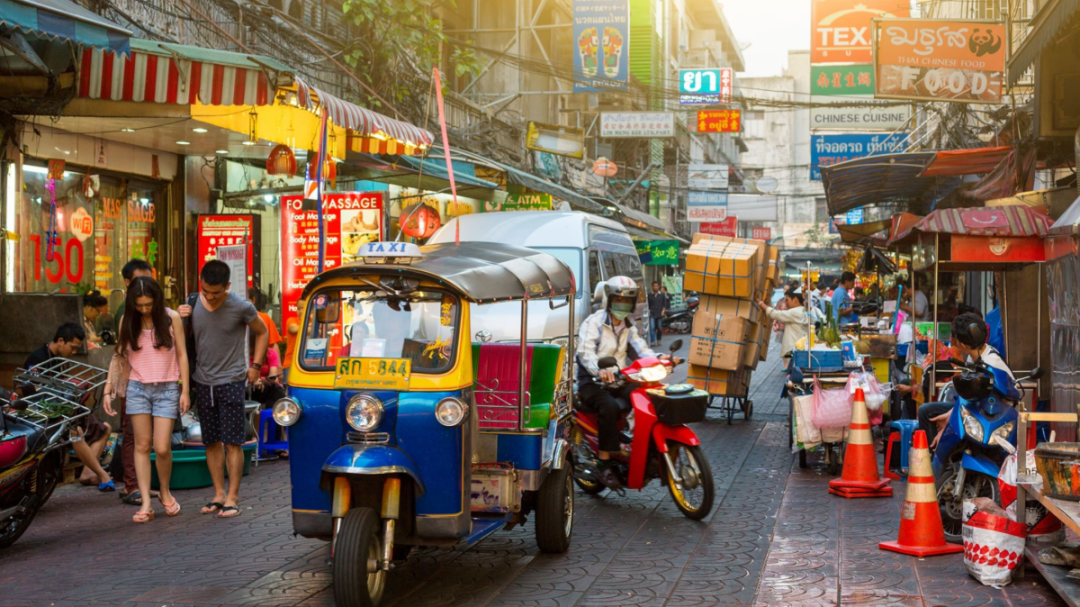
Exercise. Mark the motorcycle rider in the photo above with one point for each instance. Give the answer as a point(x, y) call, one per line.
point(609, 332)
point(969, 332)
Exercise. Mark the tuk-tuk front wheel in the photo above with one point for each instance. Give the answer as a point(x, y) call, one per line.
point(555, 511)
point(358, 579)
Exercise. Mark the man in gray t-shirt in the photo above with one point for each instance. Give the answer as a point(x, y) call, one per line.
point(219, 323)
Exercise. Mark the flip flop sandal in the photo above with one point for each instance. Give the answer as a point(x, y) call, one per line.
point(212, 508)
point(142, 517)
point(172, 509)
point(106, 487)
point(227, 509)
point(133, 498)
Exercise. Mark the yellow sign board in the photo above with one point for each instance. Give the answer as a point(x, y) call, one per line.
point(373, 374)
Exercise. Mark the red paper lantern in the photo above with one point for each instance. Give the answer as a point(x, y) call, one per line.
point(419, 222)
point(281, 161)
point(329, 171)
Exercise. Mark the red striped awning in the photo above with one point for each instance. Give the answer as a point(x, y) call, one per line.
point(966, 162)
point(155, 78)
point(360, 121)
point(1009, 221)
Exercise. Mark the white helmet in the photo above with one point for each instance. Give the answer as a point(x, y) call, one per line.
point(620, 286)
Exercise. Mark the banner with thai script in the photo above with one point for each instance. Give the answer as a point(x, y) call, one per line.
point(706, 206)
point(727, 227)
point(637, 124)
point(228, 230)
point(959, 61)
point(601, 45)
point(719, 121)
point(826, 150)
point(840, 29)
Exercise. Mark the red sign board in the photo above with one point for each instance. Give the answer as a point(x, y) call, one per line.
point(990, 249)
point(350, 219)
point(719, 121)
point(840, 29)
point(216, 230)
point(721, 228)
point(761, 233)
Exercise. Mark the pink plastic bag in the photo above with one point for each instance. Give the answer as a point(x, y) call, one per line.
point(832, 408)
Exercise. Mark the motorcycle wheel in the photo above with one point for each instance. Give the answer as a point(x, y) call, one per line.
point(13, 528)
point(589, 487)
point(695, 498)
point(49, 473)
point(357, 547)
point(555, 512)
point(952, 510)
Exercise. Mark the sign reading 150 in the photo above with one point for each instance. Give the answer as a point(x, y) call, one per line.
point(71, 252)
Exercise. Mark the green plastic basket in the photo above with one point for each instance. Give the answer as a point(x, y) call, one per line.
point(189, 469)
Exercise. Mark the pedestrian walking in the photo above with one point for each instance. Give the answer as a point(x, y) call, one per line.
point(131, 494)
point(217, 323)
point(156, 385)
point(658, 307)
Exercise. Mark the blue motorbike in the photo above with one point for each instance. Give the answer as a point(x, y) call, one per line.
point(970, 451)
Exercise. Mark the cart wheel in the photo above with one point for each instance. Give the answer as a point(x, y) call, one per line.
point(357, 550)
point(694, 497)
point(555, 512)
point(834, 462)
point(730, 410)
point(802, 459)
point(749, 411)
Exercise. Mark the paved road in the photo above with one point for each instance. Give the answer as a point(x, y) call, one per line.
point(775, 538)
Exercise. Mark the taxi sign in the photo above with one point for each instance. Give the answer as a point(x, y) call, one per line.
point(389, 252)
point(373, 374)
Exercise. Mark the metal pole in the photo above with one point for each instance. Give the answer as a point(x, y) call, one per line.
point(523, 407)
point(571, 352)
point(933, 361)
point(637, 182)
point(1004, 310)
point(1038, 330)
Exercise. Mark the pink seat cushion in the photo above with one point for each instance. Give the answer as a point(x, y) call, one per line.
point(499, 370)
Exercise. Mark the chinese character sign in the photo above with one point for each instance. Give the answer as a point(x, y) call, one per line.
point(226, 230)
point(837, 80)
point(719, 121)
point(637, 124)
point(827, 150)
point(658, 252)
point(601, 36)
point(959, 61)
point(840, 29)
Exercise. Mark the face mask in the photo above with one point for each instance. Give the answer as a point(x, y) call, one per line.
point(620, 311)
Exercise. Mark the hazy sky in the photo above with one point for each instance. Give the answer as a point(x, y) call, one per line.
point(773, 27)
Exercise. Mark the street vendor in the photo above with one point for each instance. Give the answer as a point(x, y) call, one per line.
point(794, 318)
point(842, 300)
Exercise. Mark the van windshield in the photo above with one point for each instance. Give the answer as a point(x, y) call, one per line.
point(571, 257)
point(420, 326)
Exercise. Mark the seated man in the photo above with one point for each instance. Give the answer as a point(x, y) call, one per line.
point(969, 333)
point(93, 432)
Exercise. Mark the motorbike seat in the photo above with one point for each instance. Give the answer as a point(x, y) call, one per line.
point(20, 436)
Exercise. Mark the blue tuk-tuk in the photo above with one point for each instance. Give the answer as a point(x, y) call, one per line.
point(403, 431)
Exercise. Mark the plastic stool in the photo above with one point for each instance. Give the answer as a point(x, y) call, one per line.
point(892, 467)
point(268, 431)
point(906, 428)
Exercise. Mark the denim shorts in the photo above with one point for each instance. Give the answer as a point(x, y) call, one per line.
point(159, 400)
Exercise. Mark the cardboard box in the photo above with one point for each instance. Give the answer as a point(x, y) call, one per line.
point(721, 343)
point(711, 305)
point(730, 267)
point(717, 381)
point(754, 343)
point(772, 264)
point(765, 345)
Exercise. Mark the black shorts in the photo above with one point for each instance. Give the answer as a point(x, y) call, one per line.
point(221, 412)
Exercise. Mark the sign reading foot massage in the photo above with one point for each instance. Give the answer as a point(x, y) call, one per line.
point(960, 61)
point(601, 37)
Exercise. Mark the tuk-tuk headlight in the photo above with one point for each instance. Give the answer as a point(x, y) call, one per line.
point(287, 412)
point(364, 413)
point(451, 411)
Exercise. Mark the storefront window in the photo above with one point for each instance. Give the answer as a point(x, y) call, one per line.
point(100, 223)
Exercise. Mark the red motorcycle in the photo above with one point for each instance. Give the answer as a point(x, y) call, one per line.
point(662, 445)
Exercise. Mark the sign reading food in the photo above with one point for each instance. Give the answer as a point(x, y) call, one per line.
point(960, 61)
point(840, 29)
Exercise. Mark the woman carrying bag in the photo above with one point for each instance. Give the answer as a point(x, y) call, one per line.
point(156, 384)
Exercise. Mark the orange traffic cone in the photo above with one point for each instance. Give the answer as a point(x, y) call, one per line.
point(921, 533)
point(860, 477)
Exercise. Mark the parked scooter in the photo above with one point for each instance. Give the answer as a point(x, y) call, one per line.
point(662, 445)
point(970, 451)
point(680, 320)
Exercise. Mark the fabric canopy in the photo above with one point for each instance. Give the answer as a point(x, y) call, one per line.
point(64, 20)
point(863, 232)
point(528, 180)
point(1044, 27)
point(1069, 222)
point(966, 162)
point(1011, 221)
point(359, 120)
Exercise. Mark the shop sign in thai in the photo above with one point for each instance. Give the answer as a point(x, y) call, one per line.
point(707, 176)
point(637, 124)
point(227, 230)
point(719, 121)
point(842, 80)
point(528, 201)
point(706, 206)
point(827, 150)
point(869, 115)
point(601, 39)
point(840, 29)
point(761, 234)
point(959, 61)
point(705, 85)
point(727, 227)
point(350, 220)
point(236, 257)
point(658, 252)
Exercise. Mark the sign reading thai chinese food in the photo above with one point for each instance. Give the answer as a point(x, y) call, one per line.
point(960, 61)
point(840, 29)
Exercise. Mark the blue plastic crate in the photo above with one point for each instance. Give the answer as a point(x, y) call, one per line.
point(819, 361)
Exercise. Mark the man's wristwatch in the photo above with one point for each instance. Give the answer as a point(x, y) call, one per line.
point(256, 366)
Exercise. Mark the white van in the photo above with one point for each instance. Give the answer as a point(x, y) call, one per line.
point(593, 247)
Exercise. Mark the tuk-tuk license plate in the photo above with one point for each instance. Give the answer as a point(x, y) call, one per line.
point(373, 374)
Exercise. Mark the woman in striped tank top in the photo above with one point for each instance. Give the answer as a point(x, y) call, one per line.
point(151, 339)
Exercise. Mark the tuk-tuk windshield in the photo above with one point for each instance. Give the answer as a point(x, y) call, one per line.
point(365, 323)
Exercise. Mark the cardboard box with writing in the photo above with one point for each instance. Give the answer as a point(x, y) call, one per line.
point(731, 267)
point(721, 344)
point(716, 381)
point(711, 305)
point(772, 264)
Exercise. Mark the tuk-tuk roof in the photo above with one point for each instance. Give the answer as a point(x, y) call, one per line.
point(484, 272)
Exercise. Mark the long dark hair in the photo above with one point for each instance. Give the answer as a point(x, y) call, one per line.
point(131, 325)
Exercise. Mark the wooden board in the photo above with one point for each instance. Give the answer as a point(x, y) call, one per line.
point(1067, 512)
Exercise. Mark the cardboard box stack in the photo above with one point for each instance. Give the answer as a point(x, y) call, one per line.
point(730, 334)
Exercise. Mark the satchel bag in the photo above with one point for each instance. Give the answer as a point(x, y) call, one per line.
point(119, 372)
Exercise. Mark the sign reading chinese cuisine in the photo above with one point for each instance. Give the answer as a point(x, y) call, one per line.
point(637, 124)
point(840, 29)
point(719, 121)
point(705, 86)
point(601, 36)
point(960, 61)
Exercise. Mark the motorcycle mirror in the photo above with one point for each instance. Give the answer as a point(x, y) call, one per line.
point(1036, 373)
point(607, 362)
point(675, 345)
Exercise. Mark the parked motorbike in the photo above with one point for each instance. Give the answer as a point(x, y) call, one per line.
point(971, 449)
point(680, 320)
point(662, 445)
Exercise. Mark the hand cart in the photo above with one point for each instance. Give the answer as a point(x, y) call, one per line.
point(732, 404)
point(834, 451)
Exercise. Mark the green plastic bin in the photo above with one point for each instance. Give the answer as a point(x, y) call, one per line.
point(189, 469)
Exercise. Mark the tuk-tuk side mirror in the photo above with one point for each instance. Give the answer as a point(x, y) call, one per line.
point(607, 362)
point(1036, 373)
point(675, 345)
point(328, 315)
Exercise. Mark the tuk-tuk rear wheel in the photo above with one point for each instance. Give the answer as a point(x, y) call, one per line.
point(357, 548)
point(555, 511)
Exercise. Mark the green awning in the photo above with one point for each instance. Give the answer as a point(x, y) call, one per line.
point(61, 20)
point(209, 55)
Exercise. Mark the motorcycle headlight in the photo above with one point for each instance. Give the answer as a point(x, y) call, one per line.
point(654, 373)
point(451, 412)
point(287, 412)
point(971, 425)
point(1005, 430)
point(364, 413)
